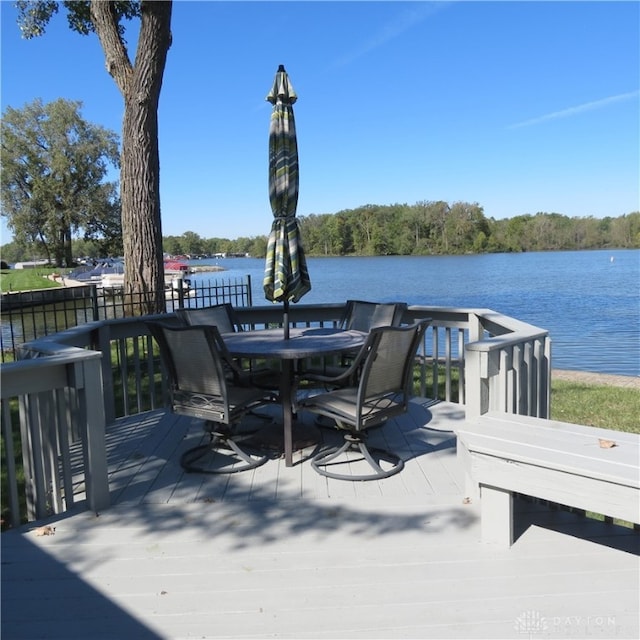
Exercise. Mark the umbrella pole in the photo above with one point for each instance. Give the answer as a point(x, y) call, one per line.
point(286, 319)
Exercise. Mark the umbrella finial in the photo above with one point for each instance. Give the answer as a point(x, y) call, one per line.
point(282, 88)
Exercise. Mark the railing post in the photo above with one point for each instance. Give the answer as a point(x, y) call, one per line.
point(494, 381)
point(473, 387)
point(87, 377)
point(544, 385)
point(476, 331)
point(108, 396)
point(10, 468)
point(31, 420)
point(482, 380)
point(476, 384)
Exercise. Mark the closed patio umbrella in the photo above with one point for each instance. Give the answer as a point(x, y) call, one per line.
point(286, 276)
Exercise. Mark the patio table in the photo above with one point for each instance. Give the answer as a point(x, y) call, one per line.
point(303, 342)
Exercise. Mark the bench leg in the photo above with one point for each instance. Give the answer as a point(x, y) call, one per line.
point(471, 486)
point(496, 506)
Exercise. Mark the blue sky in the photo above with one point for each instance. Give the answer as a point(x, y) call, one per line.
point(519, 106)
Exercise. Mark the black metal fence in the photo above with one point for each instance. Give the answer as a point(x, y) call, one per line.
point(40, 313)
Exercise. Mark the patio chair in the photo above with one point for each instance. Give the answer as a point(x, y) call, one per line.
point(362, 316)
point(383, 390)
point(197, 364)
point(224, 318)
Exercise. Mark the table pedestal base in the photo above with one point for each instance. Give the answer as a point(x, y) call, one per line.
point(271, 438)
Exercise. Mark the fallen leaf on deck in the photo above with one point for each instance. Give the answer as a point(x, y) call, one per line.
point(606, 444)
point(45, 531)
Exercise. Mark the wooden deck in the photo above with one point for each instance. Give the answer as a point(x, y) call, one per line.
point(283, 552)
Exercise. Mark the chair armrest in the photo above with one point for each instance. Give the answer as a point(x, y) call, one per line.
point(349, 374)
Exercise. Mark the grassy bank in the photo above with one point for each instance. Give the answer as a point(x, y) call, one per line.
point(27, 279)
point(596, 405)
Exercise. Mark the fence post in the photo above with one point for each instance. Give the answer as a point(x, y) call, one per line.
point(177, 285)
point(93, 295)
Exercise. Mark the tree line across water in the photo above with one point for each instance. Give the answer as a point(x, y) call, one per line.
point(425, 228)
point(54, 188)
point(59, 204)
point(430, 228)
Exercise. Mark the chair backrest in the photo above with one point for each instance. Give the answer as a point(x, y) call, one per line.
point(221, 316)
point(362, 315)
point(386, 381)
point(196, 368)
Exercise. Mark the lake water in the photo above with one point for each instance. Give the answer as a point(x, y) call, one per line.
point(589, 301)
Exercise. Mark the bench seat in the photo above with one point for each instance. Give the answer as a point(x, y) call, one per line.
point(564, 463)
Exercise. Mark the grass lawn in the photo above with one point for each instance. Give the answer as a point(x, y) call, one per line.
point(27, 279)
point(603, 406)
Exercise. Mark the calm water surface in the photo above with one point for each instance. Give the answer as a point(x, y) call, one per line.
point(589, 301)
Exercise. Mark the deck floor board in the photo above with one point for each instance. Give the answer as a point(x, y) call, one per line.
point(284, 552)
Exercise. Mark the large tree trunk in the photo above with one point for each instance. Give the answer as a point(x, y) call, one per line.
point(140, 86)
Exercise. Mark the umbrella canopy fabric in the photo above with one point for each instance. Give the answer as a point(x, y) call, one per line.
point(286, 276)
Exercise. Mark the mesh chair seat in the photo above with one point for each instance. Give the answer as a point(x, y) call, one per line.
point(342, 406)
point(383, 390)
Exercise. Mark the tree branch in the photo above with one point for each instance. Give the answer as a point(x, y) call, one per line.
point(119, 67)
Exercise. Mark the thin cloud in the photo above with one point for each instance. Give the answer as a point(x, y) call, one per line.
point(572, 111)
point(401, 23)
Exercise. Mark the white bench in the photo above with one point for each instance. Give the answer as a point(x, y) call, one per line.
point(504, 454)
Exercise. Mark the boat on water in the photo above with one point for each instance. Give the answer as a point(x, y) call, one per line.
point(109, 273)
point(108, 276)
point(93, 273)
point(175, 284)
point(173, 266)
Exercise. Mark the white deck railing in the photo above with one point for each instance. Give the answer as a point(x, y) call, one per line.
point(58, 398)
point(58, 425)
